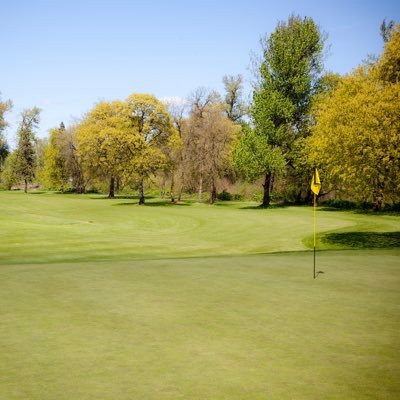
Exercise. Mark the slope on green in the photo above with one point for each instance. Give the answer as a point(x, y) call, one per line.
point(40, 228)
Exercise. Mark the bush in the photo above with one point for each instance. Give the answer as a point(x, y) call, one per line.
point(341, 204)
point(225, 196)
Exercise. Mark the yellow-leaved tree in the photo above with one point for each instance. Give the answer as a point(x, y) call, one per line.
point(107, 142)
point(151, 121)
point(357, 133)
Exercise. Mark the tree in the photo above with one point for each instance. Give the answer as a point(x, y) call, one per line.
point(289, 77)
point(25, 162)
point(55, 171)
point(177, 112)
point(386, 29)
point(234, 105)
point(106, 141)
point(219, 134)
point(5, 106)
point(8, 174)
point(151, 121)
point(253, 157)
point(357, 132)
point(195, 140)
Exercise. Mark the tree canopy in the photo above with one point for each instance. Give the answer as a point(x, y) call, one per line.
point(357, 133)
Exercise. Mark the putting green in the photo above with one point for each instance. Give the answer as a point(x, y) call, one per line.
point(167, 302)
point(250, 327)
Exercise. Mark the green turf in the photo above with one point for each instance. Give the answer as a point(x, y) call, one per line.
point(52, 228)
point(133, 319)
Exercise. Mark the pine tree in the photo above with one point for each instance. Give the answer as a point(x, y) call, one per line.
point(25, 153)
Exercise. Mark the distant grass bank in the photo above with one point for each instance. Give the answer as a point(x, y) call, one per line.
point(47, 228)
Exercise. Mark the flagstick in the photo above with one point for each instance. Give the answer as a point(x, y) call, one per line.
point(315, 226)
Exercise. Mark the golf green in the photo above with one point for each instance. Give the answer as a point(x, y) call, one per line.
point(103, 299)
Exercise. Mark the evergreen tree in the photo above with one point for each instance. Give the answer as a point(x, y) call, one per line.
point(25, 162)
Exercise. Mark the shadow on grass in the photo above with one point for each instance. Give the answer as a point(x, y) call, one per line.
point(261, 207)
point(165, 203)
point(119, 197)
point(364, 239)
point(361, 211)
point(38, 192)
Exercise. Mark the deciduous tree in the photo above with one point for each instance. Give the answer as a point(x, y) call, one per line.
point(151, 121)
point(289, 76)
point(357, 134)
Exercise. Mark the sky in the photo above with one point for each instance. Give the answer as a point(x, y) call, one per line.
point(64, 56)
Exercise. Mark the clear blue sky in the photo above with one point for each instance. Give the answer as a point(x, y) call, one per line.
point(64, 56)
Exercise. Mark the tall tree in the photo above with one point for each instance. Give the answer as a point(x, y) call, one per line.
point(357, 134)
point(289, 77)
point(234, 105)
point(151, 121)
point(106, 141)
point(177, 110)
point(25, 153)
point(195, 139)
point(55, 171)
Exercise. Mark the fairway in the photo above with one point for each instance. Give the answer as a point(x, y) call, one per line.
point(103, 299)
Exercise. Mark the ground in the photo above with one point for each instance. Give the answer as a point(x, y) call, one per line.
point(105, 299)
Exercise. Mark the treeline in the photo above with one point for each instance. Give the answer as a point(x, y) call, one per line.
point(299, 117)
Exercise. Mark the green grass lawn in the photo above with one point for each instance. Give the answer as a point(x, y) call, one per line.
point(103, 299)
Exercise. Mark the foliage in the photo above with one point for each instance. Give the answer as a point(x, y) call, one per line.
point(25, 162)
point(208, 141)
point(5, 106)
point(253, 156)
point(152, 123)
point(357, 132)
point(234, 105)
point(9, 177)
point(289, 77)
point(106, 141)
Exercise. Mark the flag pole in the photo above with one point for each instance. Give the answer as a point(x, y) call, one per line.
point(315, 226)
point(315, 188)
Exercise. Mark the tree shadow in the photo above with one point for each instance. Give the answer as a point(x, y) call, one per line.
point(362, 211)
point(364, 239)
point(119, 197)
point(165, 203)
point(261, 207)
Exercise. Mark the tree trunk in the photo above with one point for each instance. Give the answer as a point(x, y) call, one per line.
point(118, 184)
point(213, 196)
point(267, 195)
point(141, 192)
point(164, 179)
point(182, 183)
point(25, 186)
point(200, 189)
point(111, 188)
point(172, 187)
point(378, 200)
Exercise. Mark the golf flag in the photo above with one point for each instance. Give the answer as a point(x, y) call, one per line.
point(315, 188)
point(315, 182)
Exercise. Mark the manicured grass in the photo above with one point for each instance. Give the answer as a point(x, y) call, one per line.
point(41, 228)
point(102, 300)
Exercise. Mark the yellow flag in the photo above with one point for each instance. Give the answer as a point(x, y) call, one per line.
point(315, 182)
